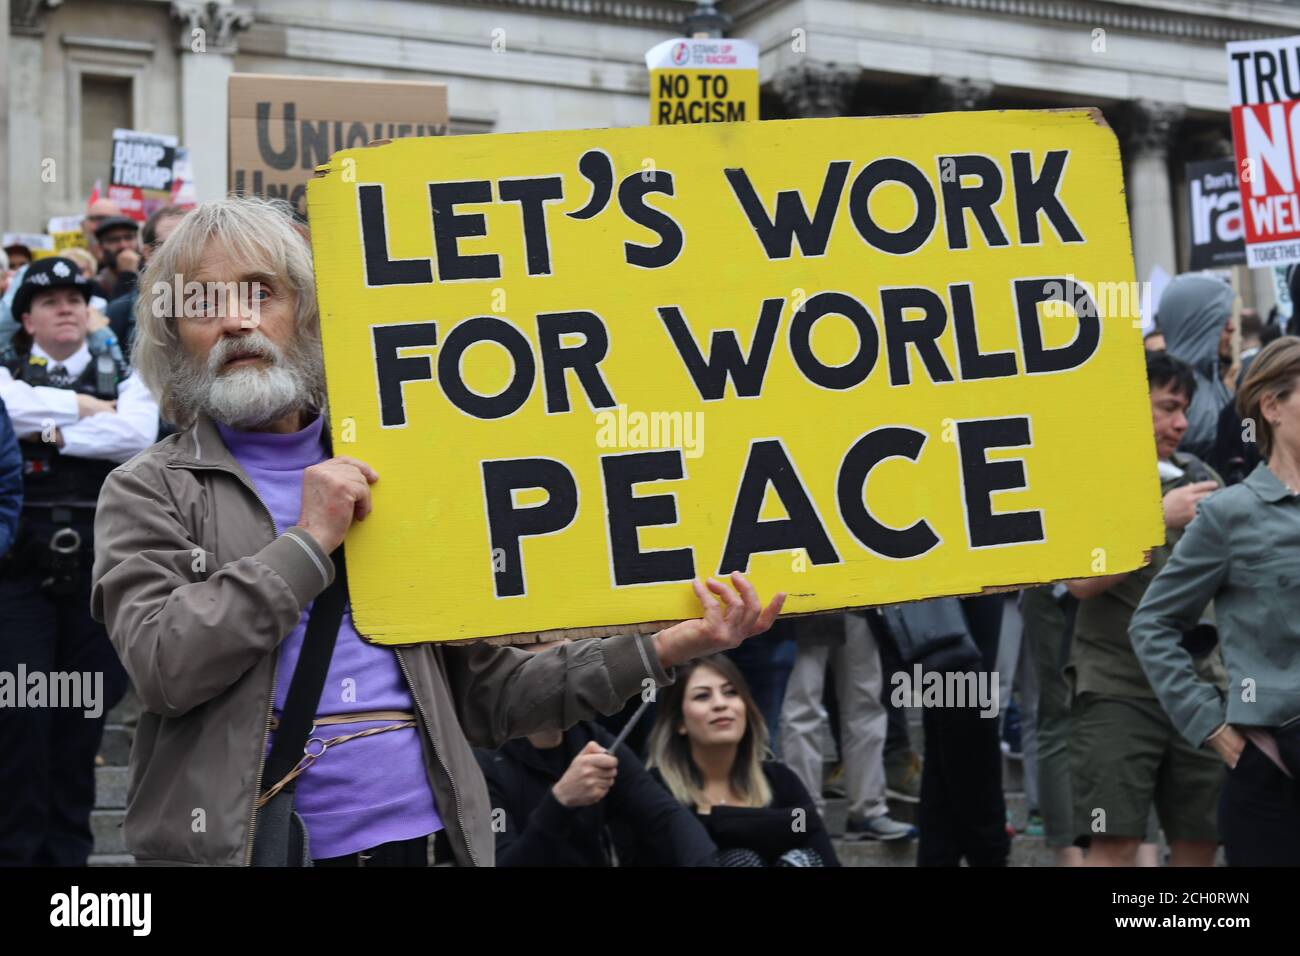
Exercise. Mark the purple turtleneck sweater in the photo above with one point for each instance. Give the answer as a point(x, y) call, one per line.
point(367, 791)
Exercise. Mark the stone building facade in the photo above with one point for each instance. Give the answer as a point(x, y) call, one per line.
point(74, 69)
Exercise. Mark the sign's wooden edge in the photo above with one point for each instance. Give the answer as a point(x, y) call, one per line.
point(650, 627)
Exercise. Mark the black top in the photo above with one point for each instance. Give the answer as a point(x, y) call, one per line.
point(638, 822)
point(775, 829)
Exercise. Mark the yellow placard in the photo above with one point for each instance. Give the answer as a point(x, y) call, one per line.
point(864, 360)
point(703, 80)
point(72, 239)
point(703, 96)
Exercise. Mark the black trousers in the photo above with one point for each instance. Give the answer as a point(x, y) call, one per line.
point(963, 812)
point(1259, 813)
point(47, 754)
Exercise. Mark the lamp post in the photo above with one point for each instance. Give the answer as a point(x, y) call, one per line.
point(706, 21)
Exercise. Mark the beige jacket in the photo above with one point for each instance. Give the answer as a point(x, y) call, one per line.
point(197, 592)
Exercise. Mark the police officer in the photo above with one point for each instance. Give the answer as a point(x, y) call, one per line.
point(78, 412)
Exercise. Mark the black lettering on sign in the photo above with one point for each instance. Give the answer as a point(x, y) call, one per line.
point(922, 333)
point(973, 363)
point(449, 228)
point(626, 513)
point(855, 370)
point(725, 360)
point(357, 135)
point(893, 170)
point(598, 169)
point(486, 328)
point(791, 221)
point(1034, 196)
point(381, 270)
point(584, 359)
point(1030, 292)
point(877, 445)
point(508, 524)
point(981, 478)
point(393, 371)
point(315, 143)
point(533, 195)
point(283, 158)
point(631, 199)
point(769, 464)
point(980, 199)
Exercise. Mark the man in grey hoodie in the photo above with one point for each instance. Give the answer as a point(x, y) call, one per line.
point(1195, 316)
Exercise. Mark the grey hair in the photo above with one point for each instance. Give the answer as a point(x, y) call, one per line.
point(260, 235)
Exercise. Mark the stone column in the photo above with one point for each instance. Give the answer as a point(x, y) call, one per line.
point(1151, 213)
point(4, 106)
point(22, 141)
point(206, 45)
point(816, 89)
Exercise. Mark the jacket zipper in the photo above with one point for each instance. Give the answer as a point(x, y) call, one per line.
point(261, 764)
point(455, 794)
point(275, 666)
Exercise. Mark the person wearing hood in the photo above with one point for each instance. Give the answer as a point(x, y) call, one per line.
point(1196, 319)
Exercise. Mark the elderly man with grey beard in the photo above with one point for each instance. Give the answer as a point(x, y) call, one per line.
point(212, 546)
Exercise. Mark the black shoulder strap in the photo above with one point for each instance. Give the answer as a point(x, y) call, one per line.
point(308, 677)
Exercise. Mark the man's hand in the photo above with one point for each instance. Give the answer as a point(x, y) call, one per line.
point(1180, 504)
point(588, 778)
point(334, 493)
point(88, 405)
point(128, 260)
point(724, 626)
point(1228, 743)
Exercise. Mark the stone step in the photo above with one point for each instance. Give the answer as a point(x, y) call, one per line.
point(836, 814)
point(1025, 851)
point(115, 748)
point(110, 788)
point(111, 859)
point(106, 826)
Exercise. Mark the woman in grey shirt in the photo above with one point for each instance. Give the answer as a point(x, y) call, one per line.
point(1242, 551)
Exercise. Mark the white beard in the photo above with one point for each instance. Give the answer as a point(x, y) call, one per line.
point(250, 397)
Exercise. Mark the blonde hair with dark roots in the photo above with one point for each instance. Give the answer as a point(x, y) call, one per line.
point(261, 236)
point(1274, 371)
point(670, 751)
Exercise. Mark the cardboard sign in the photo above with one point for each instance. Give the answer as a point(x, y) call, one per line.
point(1214, 208)
point(140, 175)
point(864, 360)
point(1264, 83)
point(283, 127)
point(703, 81)
point(34, 241)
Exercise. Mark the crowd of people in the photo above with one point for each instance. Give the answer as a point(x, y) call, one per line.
point(207, 573)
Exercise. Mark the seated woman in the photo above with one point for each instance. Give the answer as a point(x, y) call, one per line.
point(708, 747)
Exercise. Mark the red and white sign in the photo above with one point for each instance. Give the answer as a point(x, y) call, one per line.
point(1264, 82)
